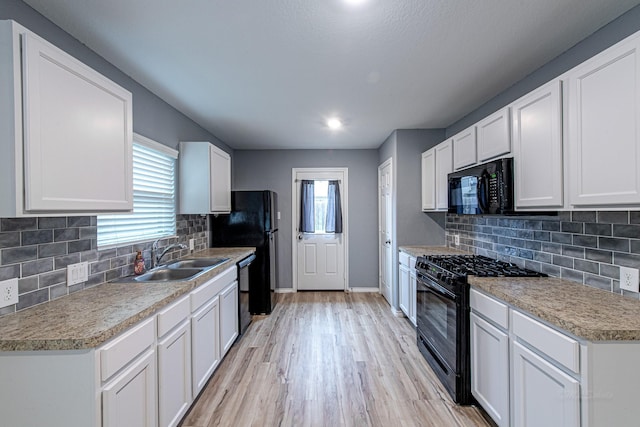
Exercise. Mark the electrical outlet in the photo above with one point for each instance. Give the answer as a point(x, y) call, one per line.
point(629, 279)
point(192, 244)
point(77, 273)
point(456, 239)
point(8, 292)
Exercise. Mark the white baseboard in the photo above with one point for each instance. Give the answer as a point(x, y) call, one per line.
point(359, 289)
point(397, 313)
point(284, 290)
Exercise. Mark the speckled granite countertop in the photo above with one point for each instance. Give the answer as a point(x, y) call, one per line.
point(88, 318)
point(416, 251)
point(588, 313)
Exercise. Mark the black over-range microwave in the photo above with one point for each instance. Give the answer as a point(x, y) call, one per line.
point(483, 189)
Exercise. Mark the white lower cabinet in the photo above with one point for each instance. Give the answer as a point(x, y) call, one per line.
point(130, 398)
point(147, 376)
point(174, 363)
point(205, 334)
point(413, 283)
point(490, 369)
point(174, 376)
point(403, 288)
point(407, 286)
point(228, 317)
point(543, 395)
point(528, 373)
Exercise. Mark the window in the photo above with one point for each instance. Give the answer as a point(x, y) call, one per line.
point(321, 207)
point(154, 204)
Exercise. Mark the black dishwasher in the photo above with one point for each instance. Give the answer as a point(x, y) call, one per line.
point(244, 315)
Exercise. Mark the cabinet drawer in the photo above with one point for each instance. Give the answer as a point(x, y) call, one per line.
point(403, 258)
point(171, 316)
point(559, 347)
point(213, 287)
point(490, 308)
point(125, 348)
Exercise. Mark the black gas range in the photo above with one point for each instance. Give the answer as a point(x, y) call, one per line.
point(443, 313)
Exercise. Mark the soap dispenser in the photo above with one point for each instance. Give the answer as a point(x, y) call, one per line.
point(138, 264)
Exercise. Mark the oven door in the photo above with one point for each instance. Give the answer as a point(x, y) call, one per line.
point(437, 314)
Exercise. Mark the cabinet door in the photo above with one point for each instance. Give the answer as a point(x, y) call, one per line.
point(490, 369)
point(429, 180)
point(77, 135)
point(604, 127)
point(174, 375)
point(494, 135)
point(403, 288)
point(413, 281)
point(543, 395)
point(464, 148)
point(444, 166)
point(130, 399)
point(205, 344)
point(220, 175)
point(537, 147)
point(228, 317)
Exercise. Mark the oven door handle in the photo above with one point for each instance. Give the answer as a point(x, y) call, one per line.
point(437, 289)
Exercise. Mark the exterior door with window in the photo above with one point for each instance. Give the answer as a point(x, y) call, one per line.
point(320, 228)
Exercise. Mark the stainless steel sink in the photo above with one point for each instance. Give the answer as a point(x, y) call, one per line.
point(164, 274)
point(177, 271)
point(197, 263)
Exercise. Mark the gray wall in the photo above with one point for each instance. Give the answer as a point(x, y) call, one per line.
point(413, 226)
point(613, 32)
point(152, 117)
point(271, 170)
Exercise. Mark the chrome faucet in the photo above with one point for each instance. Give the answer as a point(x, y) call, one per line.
point(155, 258)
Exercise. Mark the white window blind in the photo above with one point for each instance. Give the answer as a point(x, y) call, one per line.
point(154, 205)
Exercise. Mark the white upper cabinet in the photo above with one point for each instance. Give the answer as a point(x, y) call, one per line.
point(65, 132)
point(444, 166)
point(205, 178)
point(537, 146)
point(464, 148)
point(429, 180)
point(604, 127)
point(437, 163)
point(494, 136)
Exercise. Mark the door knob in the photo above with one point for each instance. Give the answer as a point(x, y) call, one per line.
point(300, 236)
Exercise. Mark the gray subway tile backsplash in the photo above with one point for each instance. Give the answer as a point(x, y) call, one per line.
point(18, 224)
point(37, 251)
point(582, 246)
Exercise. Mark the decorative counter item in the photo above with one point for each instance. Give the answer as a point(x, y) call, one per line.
point(138, 264)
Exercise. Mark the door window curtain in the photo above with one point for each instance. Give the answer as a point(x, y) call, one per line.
point(333, 214)
point(334, 209)
point(307, 217)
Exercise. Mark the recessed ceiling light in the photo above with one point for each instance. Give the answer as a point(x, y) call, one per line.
point(354, 2)
point(334, 123)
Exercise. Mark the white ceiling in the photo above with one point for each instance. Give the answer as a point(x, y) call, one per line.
point(265, 74)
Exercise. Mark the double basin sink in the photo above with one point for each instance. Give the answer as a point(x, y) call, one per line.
point(181, 270)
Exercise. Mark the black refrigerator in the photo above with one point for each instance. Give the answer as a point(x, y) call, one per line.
point(252, 222)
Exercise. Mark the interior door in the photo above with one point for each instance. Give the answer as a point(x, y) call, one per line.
point(320, 257)
point(385, 224)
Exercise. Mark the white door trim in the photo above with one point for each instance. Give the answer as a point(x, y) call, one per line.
point(344, 190)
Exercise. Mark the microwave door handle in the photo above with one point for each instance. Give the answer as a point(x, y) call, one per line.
point(482, 193)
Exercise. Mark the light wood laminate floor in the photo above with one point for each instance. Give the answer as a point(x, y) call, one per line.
point(327, 359)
